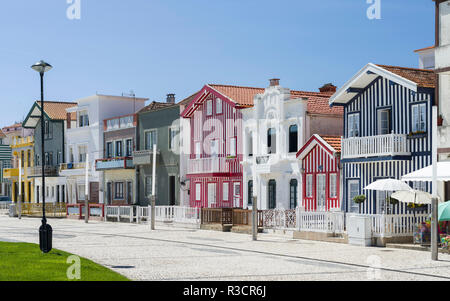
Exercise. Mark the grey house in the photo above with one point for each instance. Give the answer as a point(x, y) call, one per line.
point(158, 123)
point(55, 117)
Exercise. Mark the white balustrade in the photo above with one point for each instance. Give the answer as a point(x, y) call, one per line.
point(374, 146)
point(207, 165)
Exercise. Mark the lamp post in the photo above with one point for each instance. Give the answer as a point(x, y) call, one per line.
point(45, 231)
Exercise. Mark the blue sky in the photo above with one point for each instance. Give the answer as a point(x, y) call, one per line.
point(155, 47)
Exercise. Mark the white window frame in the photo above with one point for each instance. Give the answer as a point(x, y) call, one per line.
point(333, 185)
point(226, 191)
point(353, 123)
point(380, 123)
point(155, 139)
point(209, 108)
point(212, 194)
point(419, 111)
point(309, 186)
point(198, 191)
point(232, 148)
point(219, 106)
point(198, 149)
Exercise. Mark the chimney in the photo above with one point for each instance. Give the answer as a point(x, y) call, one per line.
point(170, 98)
point(328, 88)
point(274, 82)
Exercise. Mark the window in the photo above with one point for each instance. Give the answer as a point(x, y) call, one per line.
point(48, 130)
point(81, 192)
point(59, 158)
point(293, 139)
point(129, 192)
point(83, 119)
point(109, 150)
point(118, 190)
point(198, 192)
point(112, 124)
point(333, 186)
point(212, 194)
point(419, 118)
point(22, 158)
point(209, 108)
point(53, 191)
point(148, 185)
point(232, 150)
point(150, 139)
point(71, 157)
point(250, 193)
point(353, 190)
point(226, 192)
point(82, 151)
point(129, 148)
point(38, 161)
point(28, 158)
point(271, 141)
point(126, 122)
point(119, 150)
point(46, 159)
point(384, 122)
point(172, 136)
point(218, 106)
point(198, 150)
point(353, 125)
point(214, 148)
point(293, 194)
point(309, 186)
point(50, 159)
point(250, 144)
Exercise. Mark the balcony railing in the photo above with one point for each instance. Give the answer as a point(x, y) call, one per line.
point(208, 165)
point(262, 159)
point(114, 163)
point(143, 157)
point(70, 166)
point(49, 171)
point(375, 146)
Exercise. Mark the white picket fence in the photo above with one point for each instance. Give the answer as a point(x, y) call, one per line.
point(325, 222)
point(395, 225)
point(167, 214)
point(4, 208)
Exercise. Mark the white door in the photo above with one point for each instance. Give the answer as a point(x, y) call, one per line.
point(237, 195)
point(212, 195)
point(352, 191)
point(321, 192)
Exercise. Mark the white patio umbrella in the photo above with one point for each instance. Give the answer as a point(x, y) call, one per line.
point(413, 196)
point(388, 185)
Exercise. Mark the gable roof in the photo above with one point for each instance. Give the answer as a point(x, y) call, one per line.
point(410, 78)
point(53, 110)
point(242, 97)
point(332, 144)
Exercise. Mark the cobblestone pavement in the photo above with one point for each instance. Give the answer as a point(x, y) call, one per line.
point(171, 253)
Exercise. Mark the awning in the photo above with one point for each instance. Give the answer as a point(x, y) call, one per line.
point(426, 174)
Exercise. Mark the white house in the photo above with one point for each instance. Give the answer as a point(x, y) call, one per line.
point(84, 136)
point(275, 128)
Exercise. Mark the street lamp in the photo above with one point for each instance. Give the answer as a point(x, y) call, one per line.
point(45, 231)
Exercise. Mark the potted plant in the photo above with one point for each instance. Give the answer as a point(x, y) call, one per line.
point(359, 199)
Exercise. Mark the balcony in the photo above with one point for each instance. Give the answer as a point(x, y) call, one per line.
point(49, 171)
point(144, 157)
point(208, 165)
point(375, 146)
point(71, 166)
point(442, 54)
point(114, 163)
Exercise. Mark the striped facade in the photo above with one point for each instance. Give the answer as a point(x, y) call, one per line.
point(385, 94)
point(222, 127)
point(318, 159)
point(5, 159)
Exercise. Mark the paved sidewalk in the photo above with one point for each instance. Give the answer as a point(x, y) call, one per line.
point(186, 254)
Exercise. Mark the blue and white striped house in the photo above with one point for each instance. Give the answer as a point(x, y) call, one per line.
point(387, 131)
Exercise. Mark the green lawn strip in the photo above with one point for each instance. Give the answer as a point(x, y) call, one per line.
point(26, 262)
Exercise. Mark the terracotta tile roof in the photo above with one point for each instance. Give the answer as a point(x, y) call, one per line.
point(243, 96)
point(187, 100)
point(155, 106)
point(317, 101)
point(333, 141)
point(15, 125)
point(423, 78)
point(56, 110)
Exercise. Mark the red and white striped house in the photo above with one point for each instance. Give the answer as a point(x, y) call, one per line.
point(321, 175)
point(214, 169)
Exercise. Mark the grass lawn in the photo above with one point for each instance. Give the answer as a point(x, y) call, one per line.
point(26, 262)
